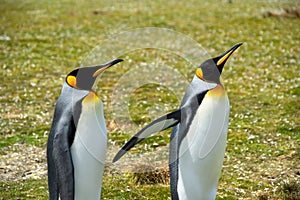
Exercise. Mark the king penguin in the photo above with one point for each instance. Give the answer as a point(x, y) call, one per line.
point(199, 134)
point(77, 141)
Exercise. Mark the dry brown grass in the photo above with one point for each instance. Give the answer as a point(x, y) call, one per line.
point(149, 174)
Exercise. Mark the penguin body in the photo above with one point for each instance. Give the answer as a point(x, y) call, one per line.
point(89, 148)
point(197, 158)
point(77, 141)
point(198, 138)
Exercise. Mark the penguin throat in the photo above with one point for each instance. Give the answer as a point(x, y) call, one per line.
point(218, 91)
point(91, 98)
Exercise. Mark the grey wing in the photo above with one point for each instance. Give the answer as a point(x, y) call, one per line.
point(62, 172)
point(155, 126)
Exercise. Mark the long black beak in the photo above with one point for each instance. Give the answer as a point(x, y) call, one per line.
point(221, 60)
point(103, 67)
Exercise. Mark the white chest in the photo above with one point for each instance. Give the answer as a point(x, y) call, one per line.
point(202, 150)
point(88, 151)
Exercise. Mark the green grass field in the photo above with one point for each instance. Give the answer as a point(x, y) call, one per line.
point(41, 41)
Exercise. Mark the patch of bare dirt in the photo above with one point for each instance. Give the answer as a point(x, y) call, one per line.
point(20, 161)
point(286, 12)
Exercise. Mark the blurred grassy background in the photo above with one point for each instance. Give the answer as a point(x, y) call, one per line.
point(41, 41)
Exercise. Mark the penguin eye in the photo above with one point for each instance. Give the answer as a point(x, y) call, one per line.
point(71, 80)
point(199, 73)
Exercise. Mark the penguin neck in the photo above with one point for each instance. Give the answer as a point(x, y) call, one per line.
point(91, 98)
point(218, 91)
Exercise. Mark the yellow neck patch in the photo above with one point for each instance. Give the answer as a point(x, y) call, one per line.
point(217, 91)
point(91, 98)
point(71, 80)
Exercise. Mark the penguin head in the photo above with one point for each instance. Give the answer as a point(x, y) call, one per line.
point(84, 78)
point(211, 69)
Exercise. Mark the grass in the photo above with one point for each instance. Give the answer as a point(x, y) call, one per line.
point(42, 41)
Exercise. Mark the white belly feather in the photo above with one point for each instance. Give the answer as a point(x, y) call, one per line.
point(202, 150)
point(88, 152)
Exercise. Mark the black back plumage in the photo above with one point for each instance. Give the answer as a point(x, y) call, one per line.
point(66, 115)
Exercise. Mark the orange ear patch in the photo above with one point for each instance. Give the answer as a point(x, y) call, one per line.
point(199, 73)
point(71, 80)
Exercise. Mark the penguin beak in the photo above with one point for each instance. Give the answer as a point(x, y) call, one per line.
point(220, 60)
point(101, 68)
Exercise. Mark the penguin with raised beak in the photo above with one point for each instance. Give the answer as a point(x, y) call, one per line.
point(77, 141)
point(198, 138)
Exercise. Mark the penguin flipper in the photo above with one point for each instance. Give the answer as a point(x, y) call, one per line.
point(62, 159)
point(160, 124)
